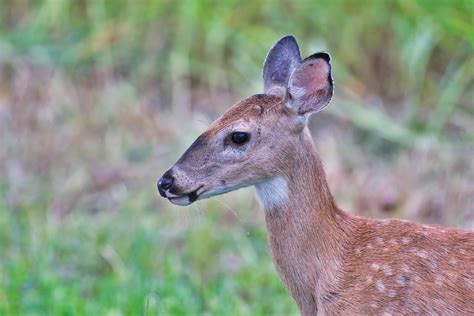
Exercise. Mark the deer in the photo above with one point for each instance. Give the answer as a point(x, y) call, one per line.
point(331, 262)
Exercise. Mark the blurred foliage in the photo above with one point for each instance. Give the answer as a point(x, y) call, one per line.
point(415, 56)
point(99, 97)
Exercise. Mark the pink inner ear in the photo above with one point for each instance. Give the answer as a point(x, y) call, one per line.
point(313, 76)
point(310, 86)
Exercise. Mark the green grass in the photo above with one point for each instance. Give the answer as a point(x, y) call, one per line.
point(136, 263)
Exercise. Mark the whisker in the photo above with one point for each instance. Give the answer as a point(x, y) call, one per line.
point(229, 208)
point(185, 219)
point(201, 210)
point(198, 212)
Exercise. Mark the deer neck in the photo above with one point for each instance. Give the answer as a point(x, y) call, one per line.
point(305, 227)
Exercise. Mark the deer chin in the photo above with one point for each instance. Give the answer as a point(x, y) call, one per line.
point(207, 193)
point(200, 194)
point(181, 201)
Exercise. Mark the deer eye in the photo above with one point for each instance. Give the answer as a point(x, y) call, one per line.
point(239, 138)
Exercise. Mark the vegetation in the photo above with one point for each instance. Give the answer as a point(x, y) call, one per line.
point(98, 98)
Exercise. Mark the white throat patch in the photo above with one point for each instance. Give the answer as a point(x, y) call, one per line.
point(272, 193)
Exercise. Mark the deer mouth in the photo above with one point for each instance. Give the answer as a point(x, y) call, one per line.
point(202, 193)
point(186, 198)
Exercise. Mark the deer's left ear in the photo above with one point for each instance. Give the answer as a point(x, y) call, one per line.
point(280, 62)
point(310, 86)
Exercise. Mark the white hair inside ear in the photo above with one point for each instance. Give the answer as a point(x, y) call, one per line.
point(278, 91)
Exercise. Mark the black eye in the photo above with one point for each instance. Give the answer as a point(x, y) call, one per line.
point(239, 138)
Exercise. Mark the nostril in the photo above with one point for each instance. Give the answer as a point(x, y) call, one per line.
point(165, 183)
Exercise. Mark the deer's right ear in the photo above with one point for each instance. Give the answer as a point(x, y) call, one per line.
point(310, 86)
point(280, 63)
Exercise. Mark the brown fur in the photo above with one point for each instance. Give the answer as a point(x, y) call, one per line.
point(331, 262)
point(338, 264)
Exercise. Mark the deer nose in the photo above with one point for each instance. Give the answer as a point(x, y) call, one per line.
point(164, 184)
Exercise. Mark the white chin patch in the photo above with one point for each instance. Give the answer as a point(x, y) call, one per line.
point(272, 193)
point(182, 201)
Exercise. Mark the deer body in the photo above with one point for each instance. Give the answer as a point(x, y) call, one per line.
point(331, 262)
point(337, 264)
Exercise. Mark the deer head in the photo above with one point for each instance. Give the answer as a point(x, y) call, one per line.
point(254, 141)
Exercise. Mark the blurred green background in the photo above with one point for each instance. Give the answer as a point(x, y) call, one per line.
point(98, 98)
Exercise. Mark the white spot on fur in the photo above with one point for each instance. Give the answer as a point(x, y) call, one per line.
point(375, 266)
point(422, 254)
point(369, 246)
point(432, 265)
point(379, 286)
point(469, 282)
point(439, 280)
point(392, 242)
point(392, 293)
point(379, 241)
point(386, 314)
point(462, 251)
point(405, 240)
point(369, 279)
point(402, 280)
point(358, 251)
point(373, 305)
point(387, 270)
point(272, 193)
point(452, 261)
point(405, 268)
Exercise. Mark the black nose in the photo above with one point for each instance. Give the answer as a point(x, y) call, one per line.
point(164, 184)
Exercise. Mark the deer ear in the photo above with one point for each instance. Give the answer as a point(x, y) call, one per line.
point(310, 86)
point(280, 62)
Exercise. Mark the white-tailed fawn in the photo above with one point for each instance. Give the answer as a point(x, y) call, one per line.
point(332, 262)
